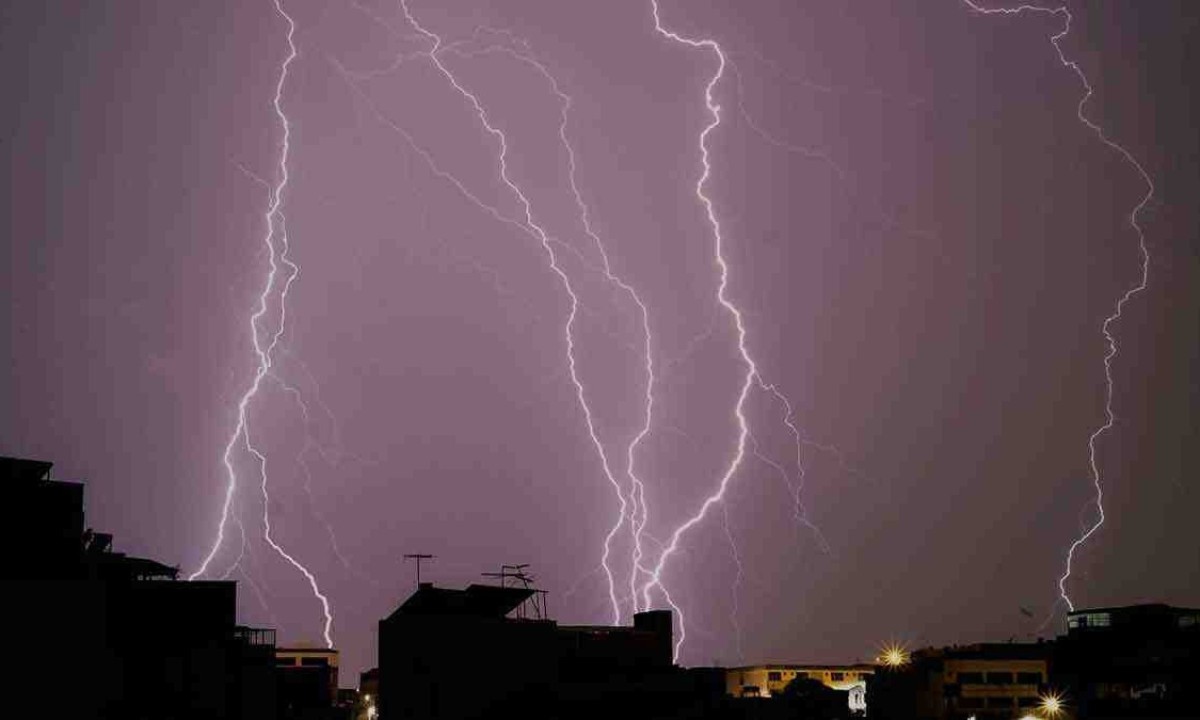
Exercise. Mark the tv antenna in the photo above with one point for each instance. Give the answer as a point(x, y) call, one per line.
point(418, 557)
point(516, 572)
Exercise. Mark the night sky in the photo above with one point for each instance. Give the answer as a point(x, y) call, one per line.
point(922, 238)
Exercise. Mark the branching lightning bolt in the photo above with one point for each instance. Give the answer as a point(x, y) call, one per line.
point(302, 461)
point(1106, 326)
point(549, 246)
point(737, 581)
point(636, 500)
point(277, 258)
point(751, 374)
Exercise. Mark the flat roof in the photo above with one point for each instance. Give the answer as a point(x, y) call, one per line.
point(305, 650)
point(1144, 607)
point(14, 469)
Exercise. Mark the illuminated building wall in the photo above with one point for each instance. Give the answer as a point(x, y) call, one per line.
point(767, 680)
point(987, 681)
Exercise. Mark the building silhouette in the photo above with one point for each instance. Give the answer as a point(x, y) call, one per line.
point(1140, 661)
point(306, 682)
point(489, 651)
point(122, 635)
point(987, 681)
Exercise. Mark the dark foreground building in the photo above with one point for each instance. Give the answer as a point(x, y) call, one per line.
point(987, 681)
point(306, 685)
point(1137, 662)
point(1141, 661)
point(100, 634)
point(472, 653)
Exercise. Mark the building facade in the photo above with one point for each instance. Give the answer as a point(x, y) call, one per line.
point(986, 681)
point(306, 682)
point(764, 681)
point(1139, 661)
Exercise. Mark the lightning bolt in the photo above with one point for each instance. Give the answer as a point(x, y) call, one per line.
point(632, 507)
point(311, 445)
point(737, 581)
point(237, 567)
point(277, 253)
point(1143, 280)
point(750, 376)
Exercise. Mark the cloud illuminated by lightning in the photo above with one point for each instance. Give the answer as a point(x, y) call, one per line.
point(1106, 326)
point(276, 240)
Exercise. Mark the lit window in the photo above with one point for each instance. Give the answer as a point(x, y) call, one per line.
point(1090, 620)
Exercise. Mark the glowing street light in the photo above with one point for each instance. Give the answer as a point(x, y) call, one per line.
point(894, 656)
point(1052, 705)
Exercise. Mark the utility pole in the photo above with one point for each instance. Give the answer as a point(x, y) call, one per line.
point(418, 557)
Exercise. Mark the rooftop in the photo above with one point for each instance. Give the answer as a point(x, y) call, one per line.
point(475, 601)
point(24, 470)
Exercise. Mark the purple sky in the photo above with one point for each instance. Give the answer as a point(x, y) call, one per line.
point(921, 236)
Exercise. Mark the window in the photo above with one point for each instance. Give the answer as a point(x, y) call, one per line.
point(970, 702)
point(774, 676)
point(970, 678)
point(1029, 678)
point(1028, 701)
point(999, 702)
point(314, 662)
point(1188, 621)
point(838, 677)
point(999, 678)
point(1089, 620)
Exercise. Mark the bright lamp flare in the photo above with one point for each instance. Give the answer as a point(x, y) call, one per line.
point(1052, 705)
point(894, 656)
